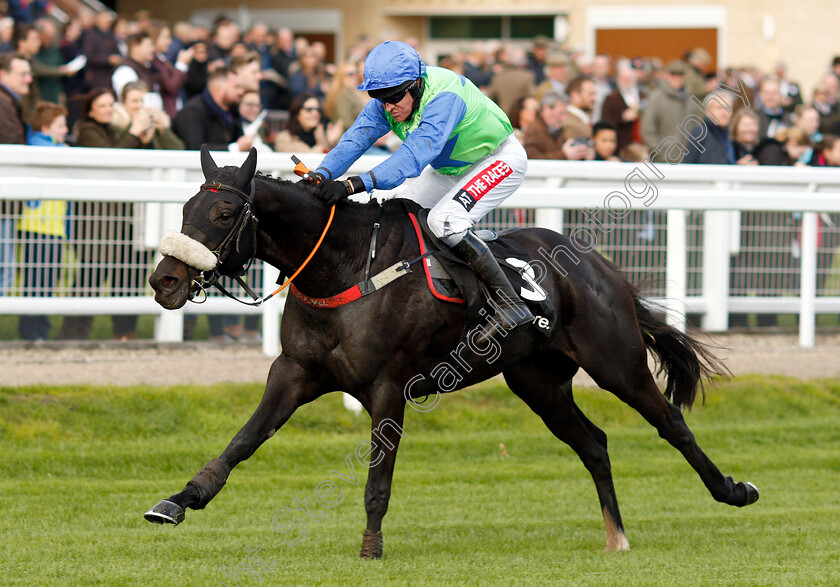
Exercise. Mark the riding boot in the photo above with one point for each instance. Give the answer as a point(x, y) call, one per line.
point(510, 311)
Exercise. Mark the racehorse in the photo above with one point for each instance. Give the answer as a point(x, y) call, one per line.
point(376, 347)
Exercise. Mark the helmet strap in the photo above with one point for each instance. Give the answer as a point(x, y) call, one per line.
point(416, 93)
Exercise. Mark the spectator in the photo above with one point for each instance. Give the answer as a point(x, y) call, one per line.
point(544, 139)
point(306, 132)
point(101, 249)
point(808, 119)
point(211, 117)
point(27, 42)
point(556, 76)
point(15, 83)
point(344, 101)
point(28, 11)
point(579, 112)
point(42, 229)
point(710, 143)
point(622, 107)
point(224, 38)
point(604, 140)
point(475, 66)
point(132, 105)
point(7, 29)
point(514, 81)
point(665, 111)
point(197, 72)
point(824, 103)
point(283, 56)
point(743, 130)
point(99, 45)
point(829, 154)
point(15, 79)
point(770, 110)
point(635, 153)
point(695, 73)
point(50, 87)
point(138, 66)
point(73, 86)
point(309, 76)
point(172, 76)
point(249, 108)
point(181, 39)
point(791, 92)
point(247, 68)
point(259, 39)
point(537, 60)
point(797, 147)
point(522, 114)
point(604, 83)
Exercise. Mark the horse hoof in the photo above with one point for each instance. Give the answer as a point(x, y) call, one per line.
point(752, 493)
point(371, 545)
point(166, 512)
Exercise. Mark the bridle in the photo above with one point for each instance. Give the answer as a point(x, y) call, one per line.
point(232, 240)
point(210, 278)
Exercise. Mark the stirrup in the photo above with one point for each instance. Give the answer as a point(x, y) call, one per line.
point(506, 319)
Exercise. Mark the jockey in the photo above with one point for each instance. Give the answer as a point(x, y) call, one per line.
point(459, 143)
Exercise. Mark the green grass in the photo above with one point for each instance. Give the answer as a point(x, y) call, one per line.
point(81, 464)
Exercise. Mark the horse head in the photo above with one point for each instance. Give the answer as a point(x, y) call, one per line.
point(218, 234)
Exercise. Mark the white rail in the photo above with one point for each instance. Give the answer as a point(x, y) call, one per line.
point(163, 180)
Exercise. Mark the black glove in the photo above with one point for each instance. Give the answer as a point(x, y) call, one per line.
point(331, 191)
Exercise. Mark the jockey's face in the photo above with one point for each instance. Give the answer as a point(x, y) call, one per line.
point(402, 109)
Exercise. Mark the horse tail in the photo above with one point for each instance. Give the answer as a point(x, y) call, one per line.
point(684, 360)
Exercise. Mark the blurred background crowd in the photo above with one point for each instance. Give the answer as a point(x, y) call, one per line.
point(118, 81)
point(146, 83)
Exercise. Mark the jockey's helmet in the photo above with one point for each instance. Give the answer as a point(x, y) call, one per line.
point(390, 67)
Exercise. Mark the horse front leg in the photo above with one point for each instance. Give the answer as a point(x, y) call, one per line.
point(289, 386)
point(386, 432)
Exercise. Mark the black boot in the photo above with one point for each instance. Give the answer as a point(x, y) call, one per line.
point(510, 310)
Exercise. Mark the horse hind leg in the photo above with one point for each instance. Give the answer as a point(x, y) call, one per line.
point(629, 378)
point(550, 397)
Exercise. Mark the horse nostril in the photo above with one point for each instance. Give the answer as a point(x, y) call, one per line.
point(167, 282)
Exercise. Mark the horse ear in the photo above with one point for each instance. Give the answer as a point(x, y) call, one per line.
point(248, 170)
point(208, 166)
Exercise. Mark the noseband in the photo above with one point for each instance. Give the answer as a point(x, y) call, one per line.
point(194, 254)
point(210, 276)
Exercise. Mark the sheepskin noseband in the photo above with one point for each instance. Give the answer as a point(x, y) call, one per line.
point(188, 250)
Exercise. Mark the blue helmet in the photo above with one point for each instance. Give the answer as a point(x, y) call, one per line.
point(390, 65)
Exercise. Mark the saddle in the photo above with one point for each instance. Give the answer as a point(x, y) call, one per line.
point(451, 280)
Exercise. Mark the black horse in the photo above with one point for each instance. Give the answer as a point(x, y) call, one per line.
point(377, 347)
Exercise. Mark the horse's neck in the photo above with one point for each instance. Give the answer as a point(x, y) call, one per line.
point(288, 231)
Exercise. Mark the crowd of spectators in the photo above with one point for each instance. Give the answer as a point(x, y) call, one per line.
point(103, 80)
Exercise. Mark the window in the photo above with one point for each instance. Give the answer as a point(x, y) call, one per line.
point(464, 27)
point(528, 27)
point(491, 27)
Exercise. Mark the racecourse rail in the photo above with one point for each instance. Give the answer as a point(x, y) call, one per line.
point(161, 181)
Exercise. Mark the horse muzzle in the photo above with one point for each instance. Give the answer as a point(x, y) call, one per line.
point(173, 282)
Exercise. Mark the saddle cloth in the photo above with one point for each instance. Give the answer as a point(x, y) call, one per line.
point(450, 279)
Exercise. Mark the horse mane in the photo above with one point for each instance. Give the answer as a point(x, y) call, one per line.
point(299, 189)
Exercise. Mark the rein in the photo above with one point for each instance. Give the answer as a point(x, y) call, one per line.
point(207, 279)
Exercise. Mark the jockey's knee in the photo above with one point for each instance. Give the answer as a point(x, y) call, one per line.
point(447, 228)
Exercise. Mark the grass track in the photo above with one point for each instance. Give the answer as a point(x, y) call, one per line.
point(80, 466)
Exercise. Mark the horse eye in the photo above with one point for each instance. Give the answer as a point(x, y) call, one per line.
point(225, 216)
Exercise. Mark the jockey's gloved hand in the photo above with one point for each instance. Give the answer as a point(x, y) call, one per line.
point(331, 191)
